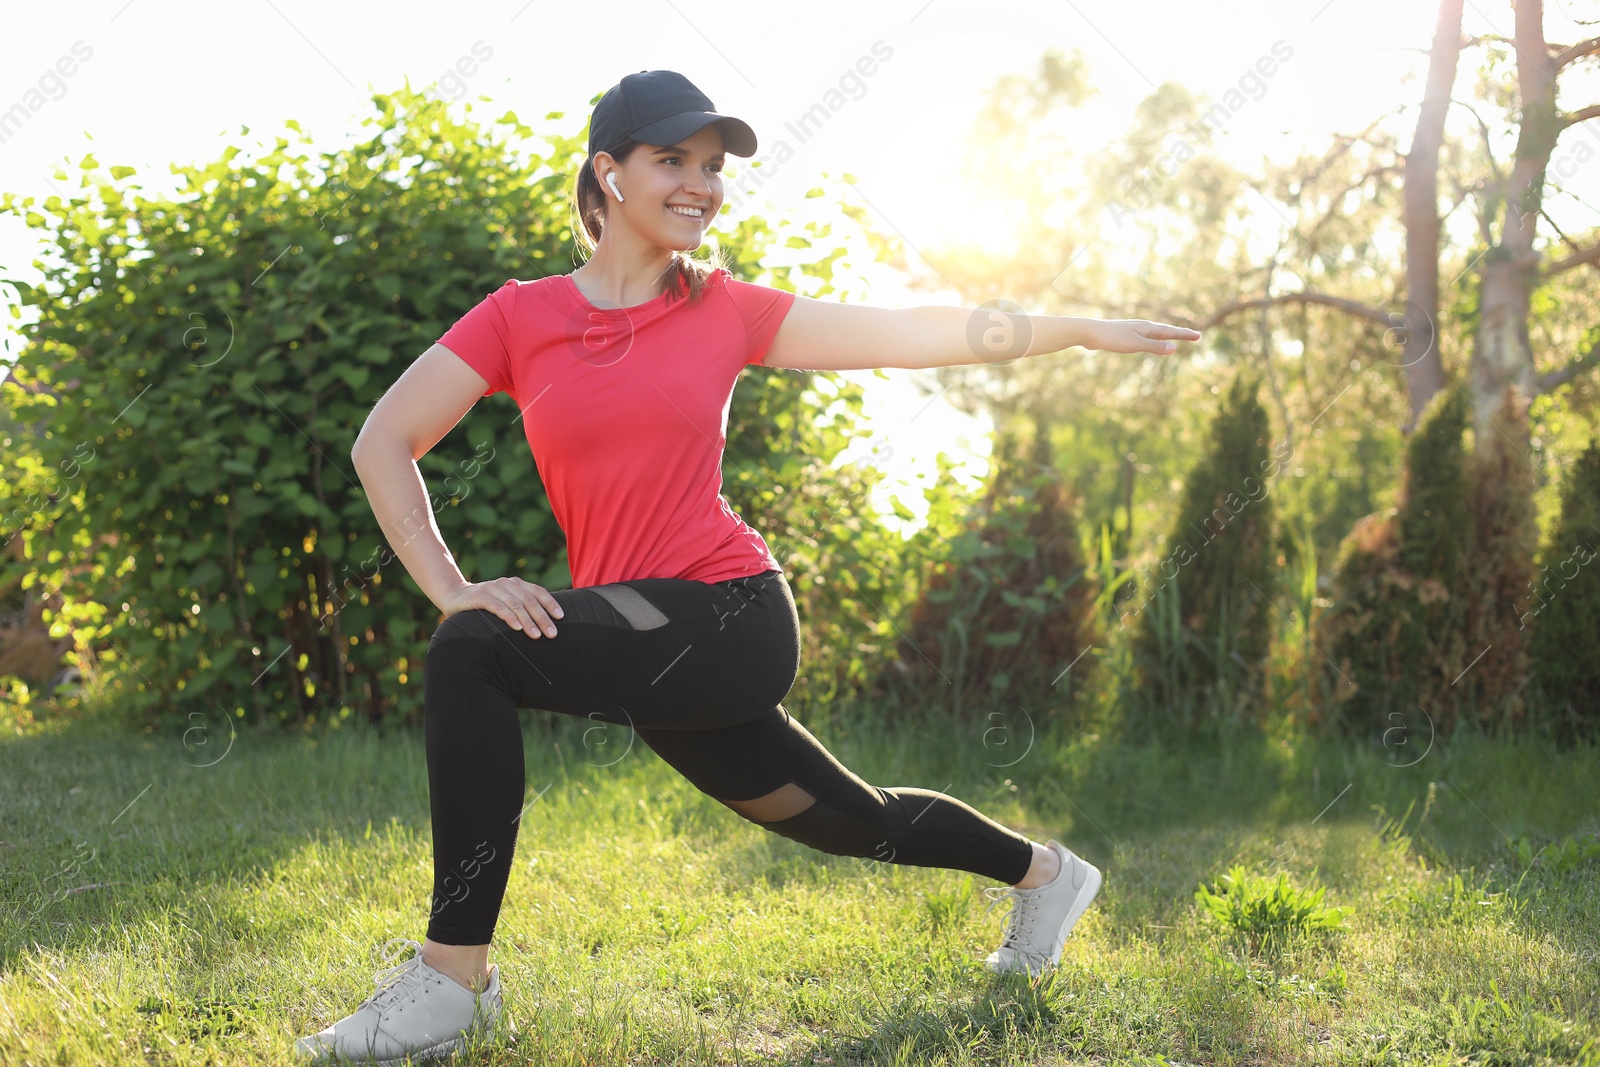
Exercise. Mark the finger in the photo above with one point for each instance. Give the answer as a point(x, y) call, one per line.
point(537, 596)
point(551, 604)
point(540, 616)
point(1167, 332)
point(518, 617)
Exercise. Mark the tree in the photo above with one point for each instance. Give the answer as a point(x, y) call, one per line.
point(1204, 629)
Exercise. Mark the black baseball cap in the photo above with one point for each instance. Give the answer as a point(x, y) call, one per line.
point(661, 107)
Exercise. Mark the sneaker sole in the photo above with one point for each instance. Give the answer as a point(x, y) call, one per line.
point(333, 1058)
point(443, 1050)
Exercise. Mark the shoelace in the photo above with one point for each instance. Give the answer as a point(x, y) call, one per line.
point(1018, 919)
point(400, 979)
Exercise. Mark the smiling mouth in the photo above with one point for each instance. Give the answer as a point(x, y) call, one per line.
point(692, 218)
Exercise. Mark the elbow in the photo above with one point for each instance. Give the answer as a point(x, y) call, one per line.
point(373, 447)
point(366, 446)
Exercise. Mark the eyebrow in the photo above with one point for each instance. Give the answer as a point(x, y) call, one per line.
point(679, 150)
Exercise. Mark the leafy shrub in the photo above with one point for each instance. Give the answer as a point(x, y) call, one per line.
point(1395, 632)
point(1204, 630)
point(1007, 608)
point(200, 369)
point(1563, 606)
point(1503, 537)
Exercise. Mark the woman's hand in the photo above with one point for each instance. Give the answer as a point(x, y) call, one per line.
point(523, 605)
point(1135, 335)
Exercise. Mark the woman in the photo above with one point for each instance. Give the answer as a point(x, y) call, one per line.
point(680, 623)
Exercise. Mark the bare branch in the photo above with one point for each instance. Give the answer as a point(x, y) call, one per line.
point(1582, 48)
point(1354, 308)
point(1560, 377)
point(1578, 259)
point(1572, 119)
point(1483, 127)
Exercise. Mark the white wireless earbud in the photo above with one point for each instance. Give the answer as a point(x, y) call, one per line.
point(611, 180)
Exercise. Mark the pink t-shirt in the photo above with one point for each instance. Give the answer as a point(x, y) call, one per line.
point(626, 411)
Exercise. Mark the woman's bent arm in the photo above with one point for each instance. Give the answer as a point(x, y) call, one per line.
point(416, 412)
point(400, 501)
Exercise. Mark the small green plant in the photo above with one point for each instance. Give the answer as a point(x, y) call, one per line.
point(946, 909)
point(1267, 911)
point(1558, 857)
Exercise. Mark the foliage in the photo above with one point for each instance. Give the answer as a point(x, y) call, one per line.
point(851, 574)
point(1267, 911)
point(1502, 537)
point(1558, 858)
point(1564, 605)
point(1395, 630)
point(1205, 627)
point(199, 371)
point(1006, 609)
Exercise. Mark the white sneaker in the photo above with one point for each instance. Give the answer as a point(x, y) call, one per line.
point(1041, 917)
point(416, 1012)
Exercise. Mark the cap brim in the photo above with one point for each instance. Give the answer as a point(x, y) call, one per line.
point(737, 137)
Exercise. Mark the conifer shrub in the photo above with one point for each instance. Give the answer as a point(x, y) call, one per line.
point(1009, 608)
point(1395, 632)
point(1561, 606)
point(1497, 571)
point(1204, 621)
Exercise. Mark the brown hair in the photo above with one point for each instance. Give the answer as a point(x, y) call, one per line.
point(590, 204)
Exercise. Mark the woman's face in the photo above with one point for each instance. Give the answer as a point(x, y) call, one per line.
point(656, 180)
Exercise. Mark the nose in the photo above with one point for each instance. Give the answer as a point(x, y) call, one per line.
point(700, 187)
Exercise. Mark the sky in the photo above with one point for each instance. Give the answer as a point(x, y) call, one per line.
point(156, 82)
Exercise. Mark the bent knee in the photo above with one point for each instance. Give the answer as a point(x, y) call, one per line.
point(466, 636)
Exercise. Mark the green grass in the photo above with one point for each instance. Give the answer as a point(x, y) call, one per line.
point(156, 911)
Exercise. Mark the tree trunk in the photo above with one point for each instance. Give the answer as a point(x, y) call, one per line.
point(1423, 366)
point(1501, 354)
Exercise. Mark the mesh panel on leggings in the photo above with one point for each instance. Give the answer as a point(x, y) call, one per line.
point(640, 613)
point(611, 605)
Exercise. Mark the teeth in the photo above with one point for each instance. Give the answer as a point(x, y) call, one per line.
point(687, 212)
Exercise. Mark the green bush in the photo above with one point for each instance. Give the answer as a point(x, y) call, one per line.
point(1204, 630)
point(201, 366)
point(1562, 605)
point(1007, 607)
point(1504, 535)
point(1395, 630)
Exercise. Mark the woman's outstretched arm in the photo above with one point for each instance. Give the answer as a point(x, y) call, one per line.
point(823, 335)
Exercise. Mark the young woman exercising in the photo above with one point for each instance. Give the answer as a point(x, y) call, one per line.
point(680, 623)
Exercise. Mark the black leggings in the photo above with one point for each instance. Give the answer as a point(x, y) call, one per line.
point(696, 670)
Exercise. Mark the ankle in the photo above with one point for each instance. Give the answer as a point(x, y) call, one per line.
point(466, 965)
point(1046, 865)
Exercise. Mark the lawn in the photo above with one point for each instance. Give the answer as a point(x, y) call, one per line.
point(196, 898)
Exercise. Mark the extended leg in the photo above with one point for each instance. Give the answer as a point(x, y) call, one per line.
point(776, 774)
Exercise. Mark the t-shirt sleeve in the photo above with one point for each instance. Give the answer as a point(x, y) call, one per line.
point(482, 337)
point(763, 309)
